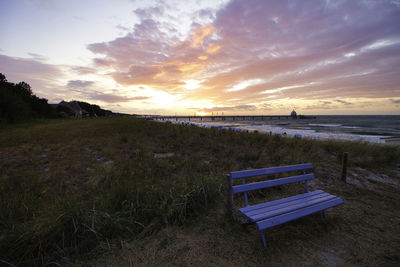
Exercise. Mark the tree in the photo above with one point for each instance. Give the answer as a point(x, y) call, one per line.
point(12, 106)
point(2, 78)
point(18, 103)
point(25, 88)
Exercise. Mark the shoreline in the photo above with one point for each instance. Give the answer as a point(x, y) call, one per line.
point(279, 129)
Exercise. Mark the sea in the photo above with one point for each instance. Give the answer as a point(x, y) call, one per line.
point(383, 129)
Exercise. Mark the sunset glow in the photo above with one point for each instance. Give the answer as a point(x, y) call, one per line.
point(199, 57)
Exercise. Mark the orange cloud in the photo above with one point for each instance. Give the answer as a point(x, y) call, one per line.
point(213, 48)
point(254, 58)
point(200, 34)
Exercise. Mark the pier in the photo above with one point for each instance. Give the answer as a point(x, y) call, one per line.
point(228, 117)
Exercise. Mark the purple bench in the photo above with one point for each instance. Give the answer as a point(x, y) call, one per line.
point(269, 214)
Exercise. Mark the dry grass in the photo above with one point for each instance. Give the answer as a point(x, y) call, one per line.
point(362, 232)
point(73, 190)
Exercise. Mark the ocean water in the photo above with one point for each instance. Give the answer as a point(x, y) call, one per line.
point(373, 129)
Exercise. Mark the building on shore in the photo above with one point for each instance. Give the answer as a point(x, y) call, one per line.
point(293, 114)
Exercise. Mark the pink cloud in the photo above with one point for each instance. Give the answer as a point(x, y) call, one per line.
point(40, 76)
point(341, 48)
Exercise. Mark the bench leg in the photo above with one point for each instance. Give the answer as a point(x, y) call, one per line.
point(324, 213)
point(263, 238)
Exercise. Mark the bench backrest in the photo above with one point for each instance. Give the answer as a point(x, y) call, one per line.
point(244, 188)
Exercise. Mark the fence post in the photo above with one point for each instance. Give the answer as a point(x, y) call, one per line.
point(344, 166)
point(229, 195)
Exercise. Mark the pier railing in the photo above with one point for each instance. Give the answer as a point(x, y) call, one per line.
point(227, 117)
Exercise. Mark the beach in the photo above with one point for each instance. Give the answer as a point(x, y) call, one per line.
point(371, 129)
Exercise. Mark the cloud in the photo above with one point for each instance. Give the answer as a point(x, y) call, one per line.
point(344, 102)
point(237, 55)
point(255, 51)
point(321, 105)
point(143, 46)
point(111, 98)
point(152, 53)
point(42, 77)
point(150, 12)
point(140, 98)
point(84, 90)
point(83, 70)
point(278, 41)
point(79, 83)
point(122, 28)
point(23, 67)
point(229, 108)
point(37, 56)
point(101, 62)
point(206, 15)
point(200, 34)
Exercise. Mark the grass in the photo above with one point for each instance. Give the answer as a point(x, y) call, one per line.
point(70, 189)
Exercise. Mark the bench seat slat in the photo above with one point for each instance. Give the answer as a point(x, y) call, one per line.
point(267, 223)
point(273, 170)
point(299, 205)
point(265, 184)
point(279, 201)
point(288, 203)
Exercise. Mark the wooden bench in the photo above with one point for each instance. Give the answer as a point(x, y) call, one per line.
point(269, 214)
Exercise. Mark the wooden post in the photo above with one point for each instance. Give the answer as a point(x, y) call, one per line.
point(344, 166)
point(229, 195)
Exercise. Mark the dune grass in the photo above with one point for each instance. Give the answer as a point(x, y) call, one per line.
point(68, 187)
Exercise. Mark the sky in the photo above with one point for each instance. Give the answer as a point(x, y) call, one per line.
point(200, 57)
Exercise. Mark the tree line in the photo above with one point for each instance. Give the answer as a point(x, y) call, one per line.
point(18, 103)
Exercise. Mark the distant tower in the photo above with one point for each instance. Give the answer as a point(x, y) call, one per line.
point(293, 114)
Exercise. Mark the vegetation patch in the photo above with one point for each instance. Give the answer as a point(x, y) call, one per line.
point(71, 188)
